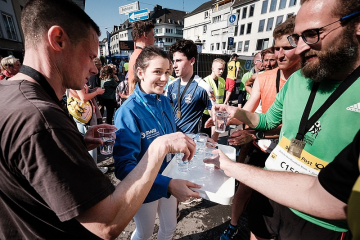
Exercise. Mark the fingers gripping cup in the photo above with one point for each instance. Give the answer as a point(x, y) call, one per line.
point(183, 166)
point(220, 121)
point(108, 137)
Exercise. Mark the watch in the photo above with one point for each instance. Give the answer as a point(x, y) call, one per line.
point(260, 135)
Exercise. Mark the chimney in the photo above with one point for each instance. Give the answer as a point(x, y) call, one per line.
point(157, 8)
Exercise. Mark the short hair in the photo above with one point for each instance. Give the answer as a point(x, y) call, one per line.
point(185, 46)
point(106, 72)
point(285, 28)
point(258, 53)
point(141, 27)
point(219, 60)
point(267, 51)
point(147, 54)
point(38, 16)
point(8, 61)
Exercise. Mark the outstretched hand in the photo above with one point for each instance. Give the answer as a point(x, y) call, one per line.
point(92, 138)
point(177, 143)
point(241, 137)
point(221, 161)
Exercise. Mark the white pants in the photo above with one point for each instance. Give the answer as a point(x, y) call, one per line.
point(145, 219)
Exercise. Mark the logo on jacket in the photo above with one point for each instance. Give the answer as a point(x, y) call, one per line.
point(173, 95)
point(314, 130)
point(188, 98)
point(150, 134)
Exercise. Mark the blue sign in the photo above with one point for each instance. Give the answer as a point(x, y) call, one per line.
point(230, 41)
point(248, 64)
point(138, 15)
point(232, 18)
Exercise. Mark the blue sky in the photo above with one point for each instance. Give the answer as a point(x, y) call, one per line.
point(106, 12)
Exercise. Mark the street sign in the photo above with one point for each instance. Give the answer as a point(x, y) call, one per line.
point(129, 8)
point(230, 41)
point(232, 19)
point(248, 64)
point(139, 15)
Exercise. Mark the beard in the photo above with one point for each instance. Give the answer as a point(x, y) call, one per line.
point(337, 61)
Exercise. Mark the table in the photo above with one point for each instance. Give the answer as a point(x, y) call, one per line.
point(216, 186)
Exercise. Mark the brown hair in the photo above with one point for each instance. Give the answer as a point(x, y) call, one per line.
point(106, 72)
point(38, 16)
point(141, 27)
point(147, 54)
point(187, 47)
point(285, 28)
point(266, 51)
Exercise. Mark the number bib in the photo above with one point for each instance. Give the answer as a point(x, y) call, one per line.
point(281, 160)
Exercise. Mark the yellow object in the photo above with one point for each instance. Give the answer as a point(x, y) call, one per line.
point(79, 110)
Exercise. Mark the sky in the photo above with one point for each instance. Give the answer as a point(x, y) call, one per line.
point(106, 12)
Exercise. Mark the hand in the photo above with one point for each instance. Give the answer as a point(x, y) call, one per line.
point(177, 142)
point(92, 138)
point(241, 137)
point(225, 108)
point(99, 91)
point(180, 189)
point(209, 123)
point(222, 161)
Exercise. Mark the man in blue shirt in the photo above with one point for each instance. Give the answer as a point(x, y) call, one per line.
point(189, 94)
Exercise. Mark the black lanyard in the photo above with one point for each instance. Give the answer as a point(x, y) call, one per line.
point(183, 93)
point(278, 81)
point(137, 47)
point(38, 77)
point(306, 123)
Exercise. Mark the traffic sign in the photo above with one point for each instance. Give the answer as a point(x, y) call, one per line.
point(248, 64)
point(230, 41)
point(139, 15)
point(232, 19)
point(129, 8)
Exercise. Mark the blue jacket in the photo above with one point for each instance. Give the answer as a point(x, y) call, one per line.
point(137, 128)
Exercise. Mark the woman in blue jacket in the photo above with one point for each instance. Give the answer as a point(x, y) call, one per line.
point(146, 115)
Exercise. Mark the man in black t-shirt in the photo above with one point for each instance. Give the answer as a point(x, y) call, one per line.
point(50, 188)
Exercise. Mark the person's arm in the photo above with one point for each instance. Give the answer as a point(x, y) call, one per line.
point(88, 96)
point(299, 191)
point(108, 218)
point(237, 70)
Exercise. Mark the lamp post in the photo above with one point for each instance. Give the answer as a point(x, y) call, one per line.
point(199, 49)
point(160, 44)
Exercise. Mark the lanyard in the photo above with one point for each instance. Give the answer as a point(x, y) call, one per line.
point(137, 47)
point(278, 81)
point(38, 77)
point(306, 123)
point(149, 110)
point(183, 93)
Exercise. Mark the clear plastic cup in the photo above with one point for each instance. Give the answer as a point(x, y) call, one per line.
point(201, 141)
point(220, 121)
point(210, 147)
point(108, 137)
point(183, 166)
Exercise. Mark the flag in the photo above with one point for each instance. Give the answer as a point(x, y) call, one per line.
point(108, 40)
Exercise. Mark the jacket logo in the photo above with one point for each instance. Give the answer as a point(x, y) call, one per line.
point(188, 98)
point(173, 95)
point(150, 134)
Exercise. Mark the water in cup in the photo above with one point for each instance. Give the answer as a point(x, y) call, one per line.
point(220, 121)
point(107, 148)
point(183, 166)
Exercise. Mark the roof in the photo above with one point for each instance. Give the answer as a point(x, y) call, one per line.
point(201, 8)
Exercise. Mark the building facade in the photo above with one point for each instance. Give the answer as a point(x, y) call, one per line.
point(253, 28)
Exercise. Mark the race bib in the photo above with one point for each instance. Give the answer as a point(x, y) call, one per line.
point(281, 160)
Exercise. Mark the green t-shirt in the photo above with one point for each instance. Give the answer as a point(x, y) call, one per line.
point(334, 130)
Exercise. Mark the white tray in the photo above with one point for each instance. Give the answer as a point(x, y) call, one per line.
point(216, 186)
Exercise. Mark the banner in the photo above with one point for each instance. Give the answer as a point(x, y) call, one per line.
point(108, 40)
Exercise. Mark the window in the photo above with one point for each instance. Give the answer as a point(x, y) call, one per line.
point(234, 46)
point(251, 11)
point(244, 12)
point(206, 14)
point(203, 46)
point(292, 3)
point(264, 6)
point(236, 30)
point(223, 45)
point(239, 46)
point(217, 19)
point(279, 20)
point(248, 31)
point(242, 29)
point(262, 44)
point(246, 46)
point(204, 28)
point(273, 5)
point(160, 39)
point(179, 31)
point(282, 4)
point(261, 25)
point(217, 46)
point(169, 30)
point(289, 15)
point(158, 30)
point(168, 40)
point(270, 24)
point(212, 47)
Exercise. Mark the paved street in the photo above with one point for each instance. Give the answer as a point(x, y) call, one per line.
point(204, 220)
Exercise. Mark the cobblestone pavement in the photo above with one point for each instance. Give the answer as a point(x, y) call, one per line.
point(204, 220)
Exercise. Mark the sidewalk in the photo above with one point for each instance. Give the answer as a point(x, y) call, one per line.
point(204, 220)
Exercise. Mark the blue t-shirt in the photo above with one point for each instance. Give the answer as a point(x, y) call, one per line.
point(198, 97)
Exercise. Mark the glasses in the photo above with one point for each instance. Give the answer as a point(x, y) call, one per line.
point(312, 36)
point(258, 60)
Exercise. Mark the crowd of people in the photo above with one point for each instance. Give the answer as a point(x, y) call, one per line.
point(297, 113)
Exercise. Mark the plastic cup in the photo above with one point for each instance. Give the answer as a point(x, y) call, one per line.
point(210, 147)
point(201, 141)
point(220, 121)
point(183, 166)
point(108, 137)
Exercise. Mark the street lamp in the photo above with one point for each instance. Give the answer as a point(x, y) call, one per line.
point(199, 49)
point(160, 44)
